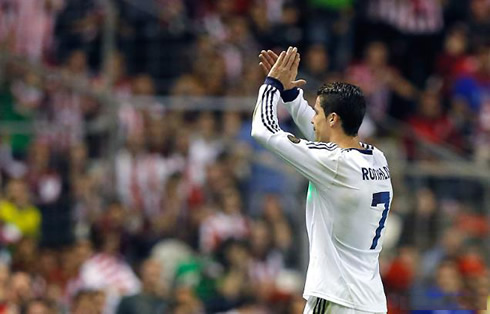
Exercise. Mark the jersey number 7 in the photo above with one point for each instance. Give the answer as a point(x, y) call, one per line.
point(380, 198)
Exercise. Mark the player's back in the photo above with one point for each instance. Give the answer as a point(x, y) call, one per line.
point(345, 222)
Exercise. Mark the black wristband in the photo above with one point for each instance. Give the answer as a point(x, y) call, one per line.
point(290, 94)
point(274, 82)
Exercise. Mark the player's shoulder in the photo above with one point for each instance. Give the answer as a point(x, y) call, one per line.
point(366, 149)
point(322, 146)
point(376, 152)
point(371, 148)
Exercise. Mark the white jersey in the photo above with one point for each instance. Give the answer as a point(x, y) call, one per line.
point(348, 200)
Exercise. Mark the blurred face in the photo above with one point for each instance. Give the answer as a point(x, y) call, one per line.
point(317, 59)
point(484, 60)
point(231, 123)
point(320, 124)
point(143, 85)
point(238, 29)
point(426, 202)
point(82, 251)
point(4, 274)
point(17, 192)
point(39, 155)
point(77, 62)
point(260, 238)
point(84, 304)
point(231, 202)
point(89, 302)
point(115, 214)
point(456, 43)
point(151, 275)
point(78, 154)
point(225, 7)
point(207, 124)
point(448, 278)
point(377, 55)
point(99, 301)
point(135, 141)
point(38, 308)
point(452, 241)
point(430, 105)
point(237, 256)
point(480, 9)
point(117, 65)
point(47, 262)
point(20, 287)
point(272, 208)
point(290, 16)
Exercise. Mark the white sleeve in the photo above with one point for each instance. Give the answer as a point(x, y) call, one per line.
point(314, 160)
point(300, 111)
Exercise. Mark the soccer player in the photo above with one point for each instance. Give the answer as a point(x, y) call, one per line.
point(349, 193)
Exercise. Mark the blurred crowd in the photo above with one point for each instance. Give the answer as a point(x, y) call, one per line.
point(180, 211)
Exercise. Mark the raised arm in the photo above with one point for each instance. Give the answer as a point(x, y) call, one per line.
point(300, 111)
point(316, 161)
point(293, 98)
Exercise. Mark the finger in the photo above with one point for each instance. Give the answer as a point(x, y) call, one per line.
point(288, 56)
point(265, 62)
point(264, 68)
point(298, 83)
point(269, 58)
point(280, 60)
point(272, 54)
point(292, 58)
point(296, 62)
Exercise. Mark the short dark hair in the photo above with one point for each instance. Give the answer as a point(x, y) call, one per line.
point(347, 101)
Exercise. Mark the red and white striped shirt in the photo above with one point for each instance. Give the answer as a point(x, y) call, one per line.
point(220, 227)
point(409, 16)
point(30, 23)
point(111, 275)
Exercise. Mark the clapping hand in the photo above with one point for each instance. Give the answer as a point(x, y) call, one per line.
point(283, 67)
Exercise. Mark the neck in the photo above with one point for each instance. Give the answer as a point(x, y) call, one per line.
point(345, 141)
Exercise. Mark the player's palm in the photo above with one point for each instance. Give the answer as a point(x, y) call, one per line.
point(284, 69)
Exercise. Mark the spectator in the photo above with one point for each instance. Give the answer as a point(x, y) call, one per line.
point(266, 262)
point(454, 60)
point(379, 81)
point(204, 148)
point(316, 68)
point(84, 302)
point(432, 125)
point(332, 25)
point(77, 27)
point(30, 26)
point(108, 273)
point(19, 101)
point(228, 222)
point(443, 293)
point(235, 285)
point(278, 224)
point(20, 291)
point(416, 24)
point(140, 175)
point(17, 209)
point(151, 299)
point(473, 90)
point(478, 21)
point(422, 224)
point(40, 306)
point(287, 31)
